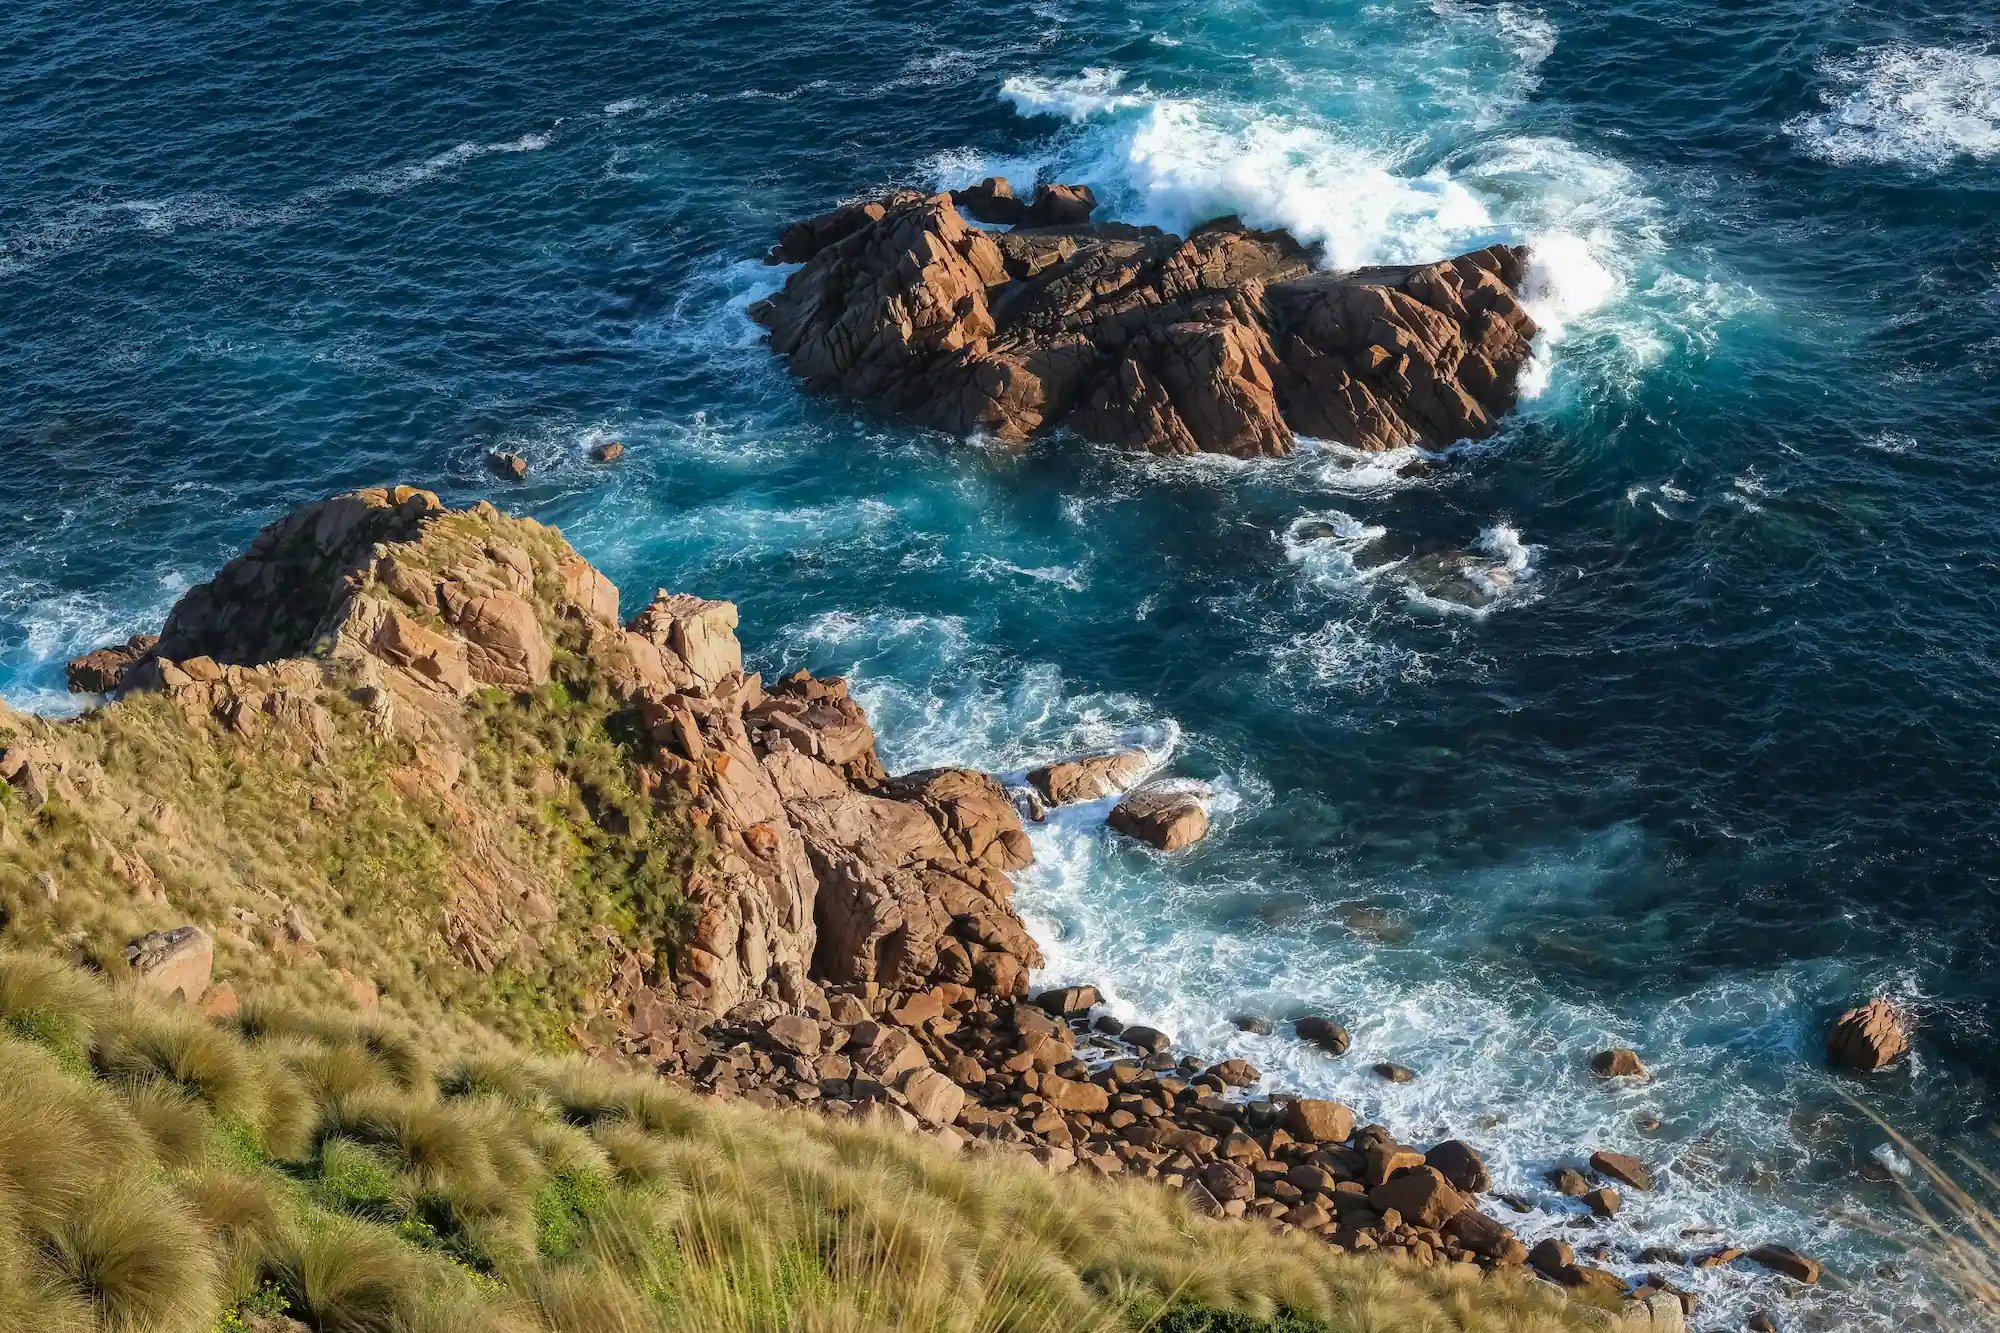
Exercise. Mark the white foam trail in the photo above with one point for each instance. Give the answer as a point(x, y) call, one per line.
point(1921, 106)
point(1325, 543)
point(1093, 92)
point(1360, 471)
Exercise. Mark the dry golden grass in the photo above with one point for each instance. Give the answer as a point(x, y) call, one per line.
point(158, 1169)
point(1960, 1227)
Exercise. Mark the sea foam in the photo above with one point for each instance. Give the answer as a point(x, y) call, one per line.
point(1920, 106)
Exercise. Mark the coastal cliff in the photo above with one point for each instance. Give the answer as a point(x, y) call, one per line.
point(410, 763)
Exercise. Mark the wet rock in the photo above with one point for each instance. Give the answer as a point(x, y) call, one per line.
point(103, 671)
point(1150, 1040)
point(1256, 1024)
point(992, 201)
point(609, 452)
point(1169, 818)
point(1324, 1033)
point(1626, 1170)
point(1394, 1073)
point(1569, 1181)
point(1784, 1259)
point(1760, 1321)
point(1089, 779)
point(1460, 1163)
point(511, 466)
point(1069, 1001)
point(179, 962)
point(1228, 340)
point(1618, 1063)
point(1868, 1037)
point(1604, 1201)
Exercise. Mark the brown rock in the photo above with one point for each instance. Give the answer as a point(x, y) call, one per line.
point(1784, 1259)
point(1568, 1180)
point(795, 1033)
point(1226, 340)
point(1551, 1256)
point(1604, 1201)
point(1067, 1095)
point(1089, 779)
point(511, 466)
point(173, 962)
point(1235, 1073)
point(1393, 1072)
point(1069, 1001)
point(1599, 1280)
point(1618, 1063)
point(991, 201)
point(609, 452)
point(220, 1001)
point(1167, 817)
point(1312, 1120)
point(102, 671)
point(1324, 1033)
point(1728, 1254)
point(1478, 1233)
point(1868, 1037)
point(1626, 1170)
point(933, 1098)
point(1227, 1180)
point(1422, 1196)
point(1385, 1160)
point(1460, 1163)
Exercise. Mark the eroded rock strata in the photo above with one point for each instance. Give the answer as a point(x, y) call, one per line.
point(1229, 340)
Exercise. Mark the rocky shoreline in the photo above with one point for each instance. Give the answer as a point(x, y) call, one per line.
point(851, 945)
point(1228, 340)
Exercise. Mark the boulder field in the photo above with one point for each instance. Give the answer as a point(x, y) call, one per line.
point(1228, 340)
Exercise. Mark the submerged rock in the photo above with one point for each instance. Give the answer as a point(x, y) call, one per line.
point(1618, 1062)
point(1227, 340)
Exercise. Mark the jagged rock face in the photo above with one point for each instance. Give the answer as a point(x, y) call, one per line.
point(1226, 341)
point(822, 867)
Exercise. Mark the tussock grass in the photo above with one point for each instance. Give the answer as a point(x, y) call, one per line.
point(183, 1167)
point(1958, 1220)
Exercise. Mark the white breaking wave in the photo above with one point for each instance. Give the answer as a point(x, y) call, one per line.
point(1093, 92)
point(1924, 106)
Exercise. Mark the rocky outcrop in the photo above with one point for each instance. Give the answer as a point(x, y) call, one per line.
point(823, 867)
point(102, 671)
point(1228, 340)
point(1869, 1037)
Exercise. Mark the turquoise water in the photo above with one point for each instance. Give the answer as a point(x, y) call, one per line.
point(1718, 762)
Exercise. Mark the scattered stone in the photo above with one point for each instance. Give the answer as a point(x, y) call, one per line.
point(511, 466)
point(1784, 1259)
point(1626, 1170)
point(1324, 1033)
point(1869, 1037)
point(1253, 1023)
point(1604, 1201)
point(1235, 1073)
point(179, 962)
point(1647, 1123)
point(1728, 1254)
point(933, 1098)
point(220, 1002)
point(1169, 818)
point(1089, 779)
point(609, 452)
point(1151, 1040)
point(1394, 1073)
point(1618, 1062)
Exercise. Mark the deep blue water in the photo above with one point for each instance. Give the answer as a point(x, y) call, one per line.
point(1721, 761)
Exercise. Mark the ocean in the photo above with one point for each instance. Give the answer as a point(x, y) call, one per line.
point(1717, 760)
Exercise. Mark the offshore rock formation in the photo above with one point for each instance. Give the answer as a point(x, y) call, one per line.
point(824, 867)
point(1225, 341)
